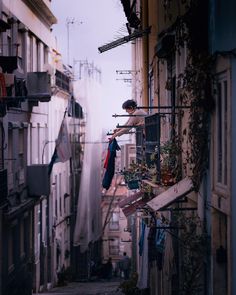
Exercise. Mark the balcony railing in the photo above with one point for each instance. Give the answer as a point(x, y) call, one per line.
point(62, 81)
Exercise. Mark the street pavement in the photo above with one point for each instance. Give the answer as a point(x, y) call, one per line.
point(87, 288)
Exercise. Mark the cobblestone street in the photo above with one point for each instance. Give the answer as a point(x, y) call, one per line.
point(87, 288)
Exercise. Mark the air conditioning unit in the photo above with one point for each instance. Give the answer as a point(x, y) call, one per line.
point(38, 180)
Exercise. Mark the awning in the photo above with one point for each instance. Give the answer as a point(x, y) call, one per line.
point(132, 203)
point(171, 195)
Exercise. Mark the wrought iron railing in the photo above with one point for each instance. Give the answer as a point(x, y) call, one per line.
point(62, 81)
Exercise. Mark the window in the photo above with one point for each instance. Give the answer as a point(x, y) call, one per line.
point(21, 148)
point(114, 221)
point(10, 151)
point(9, 45)
point(152, 136)
point(39, 145)
point(21, 156)
point(1, 45)
point(20, 48)
point(38, 56)
point(34, 144)
point(139, 146)
point(10, 161)
point(56, 196)
point(12, 248)
point(26, 235)
point(171, 87)
point(62, 81)
point(22, 238)
point(114, 246)
point(151, 93)
point(10, 251)
point(30, 54)
point(221, 125)
point(45, 54)
point(60, 194)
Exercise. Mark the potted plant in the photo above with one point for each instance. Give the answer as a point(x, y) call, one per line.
point(169, 154)
point(129, 287)
point(134, 174)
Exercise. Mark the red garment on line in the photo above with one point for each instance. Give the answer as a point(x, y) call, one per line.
point(107, 159)
point(3, 91)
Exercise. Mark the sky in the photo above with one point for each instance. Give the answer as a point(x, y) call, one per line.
point(95, 23)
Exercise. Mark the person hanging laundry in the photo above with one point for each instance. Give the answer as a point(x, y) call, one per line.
point(109, 164)
point(136, 118)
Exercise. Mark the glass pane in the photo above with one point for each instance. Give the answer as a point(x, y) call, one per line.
point(225, 132)
point(219, 133)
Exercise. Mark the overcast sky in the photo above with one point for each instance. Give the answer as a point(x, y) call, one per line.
point(103, 21)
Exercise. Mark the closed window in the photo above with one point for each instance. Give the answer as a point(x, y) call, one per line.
point(45, 54)
point(21, 148)
point(20, 48)
point(10, 151)
point(22, 238)
point(114, 221)
point(12, 247)
point(30, 53)
point(56, 196)
point(221, 133)
point(151, 93)
point(114, 246)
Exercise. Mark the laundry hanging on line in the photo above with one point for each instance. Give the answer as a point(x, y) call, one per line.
point(109, 164)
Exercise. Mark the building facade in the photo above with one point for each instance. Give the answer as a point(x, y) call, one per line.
point(184, 77)
point(36, 94)
point(25, 47)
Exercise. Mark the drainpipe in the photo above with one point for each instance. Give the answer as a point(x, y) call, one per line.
point(144, 10)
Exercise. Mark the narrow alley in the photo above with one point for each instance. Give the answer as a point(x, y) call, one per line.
point(88, 288)
point(117, 147)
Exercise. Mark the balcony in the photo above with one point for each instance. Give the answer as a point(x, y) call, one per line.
point(34, 88)
point(62, 81)
point(38, 87)
point(8, 63)
point(38, 180)
point(75, 110)
point(161, 159)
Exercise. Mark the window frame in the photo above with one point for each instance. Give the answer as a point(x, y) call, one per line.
point(221, 186)
point(114, 225)
point(114, 246)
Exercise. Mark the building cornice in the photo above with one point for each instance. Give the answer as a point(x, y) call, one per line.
point(40, 8)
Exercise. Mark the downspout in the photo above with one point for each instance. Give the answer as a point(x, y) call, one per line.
point(144, 9)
